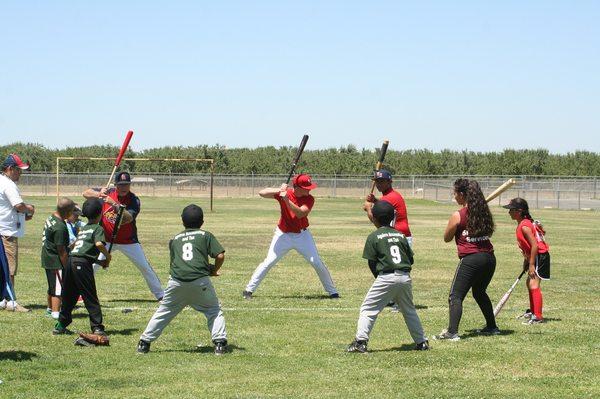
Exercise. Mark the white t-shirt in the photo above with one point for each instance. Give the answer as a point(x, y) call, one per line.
point(12, 223)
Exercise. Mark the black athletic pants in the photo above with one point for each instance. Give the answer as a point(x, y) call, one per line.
point(474, 271)
point(78, 279)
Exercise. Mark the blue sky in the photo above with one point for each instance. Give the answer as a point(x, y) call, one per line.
point(473, 75)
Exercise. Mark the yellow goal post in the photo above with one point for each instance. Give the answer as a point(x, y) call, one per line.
point(210, 161)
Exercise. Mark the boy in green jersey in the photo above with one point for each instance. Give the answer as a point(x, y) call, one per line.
point(55, 243)
point(190, 283)
point(390, 260)
point(78, 277)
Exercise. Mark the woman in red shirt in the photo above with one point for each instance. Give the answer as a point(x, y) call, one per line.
point(530, 238)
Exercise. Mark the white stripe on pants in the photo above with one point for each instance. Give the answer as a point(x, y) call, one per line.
point(136, 255)
point(200, 295)
point(395, 286)
point(281, 244)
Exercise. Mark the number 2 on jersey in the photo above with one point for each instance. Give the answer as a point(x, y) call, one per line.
point(188, 251)
point(77, 246)
point(395, 252)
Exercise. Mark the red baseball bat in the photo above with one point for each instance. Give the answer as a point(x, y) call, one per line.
point(120, 156)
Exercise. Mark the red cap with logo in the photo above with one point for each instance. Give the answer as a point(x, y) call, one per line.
point(304, 181)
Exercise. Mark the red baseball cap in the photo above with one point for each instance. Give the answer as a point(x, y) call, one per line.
point(13, 160)
point(304, 181)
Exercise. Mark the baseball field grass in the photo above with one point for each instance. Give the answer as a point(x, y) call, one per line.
point(290, 340)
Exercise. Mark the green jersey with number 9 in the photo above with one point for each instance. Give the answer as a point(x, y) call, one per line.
point(190, 250)
point(389, 248)
point(85, 245)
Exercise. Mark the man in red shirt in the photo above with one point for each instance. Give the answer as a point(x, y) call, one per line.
point(126, 240)
point(292, 233)
point(383, 182)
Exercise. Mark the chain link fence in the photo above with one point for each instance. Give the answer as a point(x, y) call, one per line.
point(540, 191)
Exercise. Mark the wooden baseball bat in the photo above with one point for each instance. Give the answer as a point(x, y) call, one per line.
point(505, 186)
point(379, 163)
point(120, 156)
point(297, 157)
point(505, 297)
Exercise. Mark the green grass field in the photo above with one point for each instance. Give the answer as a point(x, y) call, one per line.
point(290, 340)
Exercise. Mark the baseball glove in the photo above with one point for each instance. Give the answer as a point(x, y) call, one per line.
point(96, 339)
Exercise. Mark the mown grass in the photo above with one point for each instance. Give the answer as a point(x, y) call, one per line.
point(289, 340)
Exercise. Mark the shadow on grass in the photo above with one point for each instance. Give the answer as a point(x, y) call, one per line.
point(124, 331)
point(402, 348)
point(17, 356)
point(36, 306)
point(308, 296)
point(551, 319)
point(474, 333)
point(206, 349)
point(131, 300)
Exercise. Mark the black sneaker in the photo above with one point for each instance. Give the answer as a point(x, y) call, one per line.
point(423, 346)
point(334, 296)
point(98, 331)
point(143, 346)
point(60, 330)
point(220, 347)
point(247, 294)
point(357, 346)
point(489, 331)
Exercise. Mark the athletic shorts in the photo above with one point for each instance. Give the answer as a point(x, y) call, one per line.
point(54, 277)
point(542, 265)
point(11, 248)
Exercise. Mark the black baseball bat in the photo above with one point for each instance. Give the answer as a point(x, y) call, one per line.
point(297, 157)
point(116, 228)
point(379, 164)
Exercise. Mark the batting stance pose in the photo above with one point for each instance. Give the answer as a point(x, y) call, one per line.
point(292, 233)
point(190, 281)
point(390, 260)
point(471, 228)
point(126, 239)
point(531, 241)
point(383, 182)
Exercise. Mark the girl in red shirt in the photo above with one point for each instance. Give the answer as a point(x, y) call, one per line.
point(530, 238)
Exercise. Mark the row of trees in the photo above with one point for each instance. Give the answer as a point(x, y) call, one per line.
point(342, 161)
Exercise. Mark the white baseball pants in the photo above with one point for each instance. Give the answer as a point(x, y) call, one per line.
point(200, 295)
point(395, 287)
point(281, 244)
point(136, 255)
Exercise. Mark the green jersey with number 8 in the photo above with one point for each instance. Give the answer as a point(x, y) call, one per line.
point(190, 250)
point(85, 245)
point(389, 248)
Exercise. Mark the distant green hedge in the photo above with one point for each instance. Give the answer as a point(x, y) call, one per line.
point(345, 160)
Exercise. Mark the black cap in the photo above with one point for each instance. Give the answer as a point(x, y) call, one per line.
point(122, 178)
point(192, 216)
point(517, 203)
point(92, 208)
point(383, 211)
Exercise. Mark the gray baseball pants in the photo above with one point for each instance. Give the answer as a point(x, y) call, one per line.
point(200, 295)
point(395, 287)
